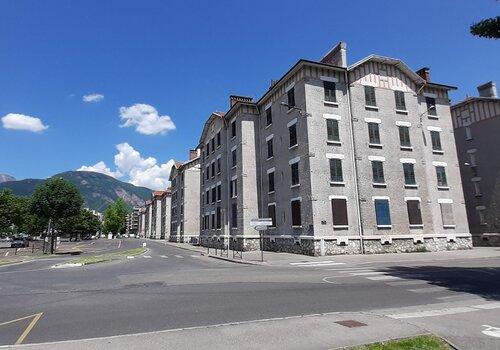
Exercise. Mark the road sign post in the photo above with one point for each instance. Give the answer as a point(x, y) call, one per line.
point(261, 225)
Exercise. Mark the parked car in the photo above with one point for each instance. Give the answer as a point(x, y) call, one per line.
point(20, 243)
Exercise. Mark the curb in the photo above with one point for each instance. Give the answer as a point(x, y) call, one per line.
point(243, 262)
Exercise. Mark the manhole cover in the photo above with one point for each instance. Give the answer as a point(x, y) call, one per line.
point(351, 323)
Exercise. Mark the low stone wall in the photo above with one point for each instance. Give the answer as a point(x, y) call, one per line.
point(172, 238)
point(289, 245)
point(486, 240)
point(242, 244)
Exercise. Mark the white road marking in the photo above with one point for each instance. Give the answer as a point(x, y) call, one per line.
point(349, 269)
point(370, 273)
point(406, 283)
point(179, 256)
point(130, 257)
point(428, 290)
point(163, 256)
point(322, 265)
point(311, 262)
point(195, 256)
point(147, 256)
point(327, 280)
point(6, 254)
point(384, 278)
point(456, 296)
point(491, 331)
point(447, 311)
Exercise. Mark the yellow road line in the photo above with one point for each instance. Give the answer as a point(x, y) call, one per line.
point(17, 319)
point(28, 329)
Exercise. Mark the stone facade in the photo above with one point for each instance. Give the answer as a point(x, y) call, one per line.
point(476, 122)
point(185, 218)
point(305, 155)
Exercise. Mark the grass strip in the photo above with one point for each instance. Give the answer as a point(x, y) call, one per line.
point(421, 342)
point(94, 259)
point(7, 261)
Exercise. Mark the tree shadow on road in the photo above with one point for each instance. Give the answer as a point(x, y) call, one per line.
point(481, 281)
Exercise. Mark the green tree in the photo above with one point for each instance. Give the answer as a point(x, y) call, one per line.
point(487, 28)
point(55, 200)
point(7, 210)
point(84, 223)
point(115, 217)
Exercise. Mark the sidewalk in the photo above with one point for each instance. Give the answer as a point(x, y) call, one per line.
point(301, 332)
point(284, 259)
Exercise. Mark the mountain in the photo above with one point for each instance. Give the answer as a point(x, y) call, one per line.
point(98, 190)
point(5, 177)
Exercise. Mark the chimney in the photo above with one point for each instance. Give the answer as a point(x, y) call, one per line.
point(425, 73)
point(337, 56)
point(233, 99)
point(488, 89)
point(194, 153)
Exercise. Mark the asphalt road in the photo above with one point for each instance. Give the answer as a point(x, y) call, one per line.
point(170, 288)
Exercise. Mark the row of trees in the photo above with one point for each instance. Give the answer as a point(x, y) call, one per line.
point(56, 207)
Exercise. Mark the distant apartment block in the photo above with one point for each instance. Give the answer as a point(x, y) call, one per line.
point(132, 223)
point(185, 207)
point(160, 214)
point(344, 159)
point(476, 121)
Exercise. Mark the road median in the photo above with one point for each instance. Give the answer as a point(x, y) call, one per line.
point(96, 259)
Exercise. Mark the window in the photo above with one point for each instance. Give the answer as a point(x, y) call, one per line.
point(477, 189)
point(207, 172)
point(234, 158)
point(271, 213)
point(414, 212)
point(480, 213)
point(270, 152)
point(218, 165)
point(329, 91)
point(295, 173)
point(213, 169)
point(468, 133)
point(447, 214)
point(431, 106)
point(291, 98)
point(208, 148)
point(214, 194)
point(269, 116)
point(218, 139)
point(472, 157)
point(270, 177)
point(213, 144)
point(404, 136)
point(436, 141)
point(233, 129)
point(339, 212)
point(382, 212)
point(399, 96)
point(218, 218)
point(332, 130)
point(336, 170)
point(296, 219)
point(219, 196)
point(213, 221)
point(370, 96)
point(234, 188)
point(378, 172)
point(207, 196)
point(234, 215)
point(409, 172)
point(292, 132)
point(373, 133)
point(441, 176)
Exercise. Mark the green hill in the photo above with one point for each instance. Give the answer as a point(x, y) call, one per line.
point(98, 190)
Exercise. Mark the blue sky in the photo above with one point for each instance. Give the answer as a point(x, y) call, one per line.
point(184, 59)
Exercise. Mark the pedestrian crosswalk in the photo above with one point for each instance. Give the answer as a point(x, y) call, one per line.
point(316, 263)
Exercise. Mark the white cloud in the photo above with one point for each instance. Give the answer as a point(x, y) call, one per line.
point(16, 121)
point(139, 171)
point(146, 119)
point(93, 98)
point(101, 167)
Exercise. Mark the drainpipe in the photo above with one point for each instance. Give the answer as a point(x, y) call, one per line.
point(354, 166)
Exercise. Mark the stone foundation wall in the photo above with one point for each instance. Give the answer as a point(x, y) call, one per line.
point(487, 240)
point(289, 245)
point(244, 244)
point(172, 238)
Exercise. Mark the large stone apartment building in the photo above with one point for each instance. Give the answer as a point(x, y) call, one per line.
point(185, 200)
point(476, 121)
point(344, 159)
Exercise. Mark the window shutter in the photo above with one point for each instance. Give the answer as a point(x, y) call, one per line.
point(447, 214)
point(382, 212)
point(414, 212)
point(339, 211)
point(296, 219)
point(370, 96)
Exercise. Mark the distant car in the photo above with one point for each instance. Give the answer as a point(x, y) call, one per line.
point(19, 243)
